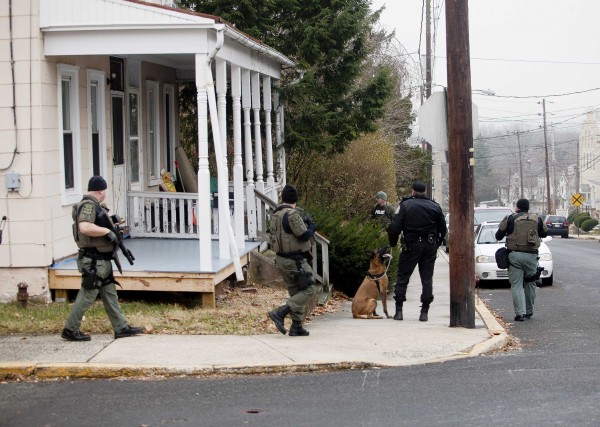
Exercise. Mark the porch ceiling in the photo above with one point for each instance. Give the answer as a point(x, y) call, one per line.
point(159, 34)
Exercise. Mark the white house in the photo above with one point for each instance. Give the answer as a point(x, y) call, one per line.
point(589, 161)
point(89, 87)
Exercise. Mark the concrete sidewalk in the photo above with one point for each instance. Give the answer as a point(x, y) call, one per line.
point(336, 341)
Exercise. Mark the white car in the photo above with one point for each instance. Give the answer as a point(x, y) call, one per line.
point(486, 246)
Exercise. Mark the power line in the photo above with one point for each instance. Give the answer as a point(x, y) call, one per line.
point(533, 61)
point(546, 96)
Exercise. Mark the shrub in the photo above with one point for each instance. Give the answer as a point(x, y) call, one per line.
point(349, 240)
point(581, 218)
point(588, 224)
point(345, 182)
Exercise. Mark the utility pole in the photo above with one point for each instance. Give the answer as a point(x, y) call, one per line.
point(547, 165)
point(520, 162)
point(428, 49)
point(555, 186)
point(460, 156)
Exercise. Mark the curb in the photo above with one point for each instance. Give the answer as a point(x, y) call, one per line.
point(499, 337)
point(65, 371)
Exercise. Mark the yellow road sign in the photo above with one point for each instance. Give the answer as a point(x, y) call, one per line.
point(577, 199)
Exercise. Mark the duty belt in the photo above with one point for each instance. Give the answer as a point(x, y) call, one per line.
point(93, 253)
point(291, 255)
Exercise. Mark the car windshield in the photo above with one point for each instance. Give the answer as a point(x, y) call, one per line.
point(487, 234)
point(490, 215)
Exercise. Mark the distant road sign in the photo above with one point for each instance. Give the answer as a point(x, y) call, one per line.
point(577, 199)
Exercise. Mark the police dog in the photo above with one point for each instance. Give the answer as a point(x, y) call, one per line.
point(375, 284)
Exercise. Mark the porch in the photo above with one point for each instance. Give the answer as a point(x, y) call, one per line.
point(167, 265)
point(166, 248)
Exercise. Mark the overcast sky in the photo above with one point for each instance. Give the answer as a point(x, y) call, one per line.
point(518, 48)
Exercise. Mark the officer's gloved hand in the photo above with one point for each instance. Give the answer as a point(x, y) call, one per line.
point(111, 237)
point(312, 227)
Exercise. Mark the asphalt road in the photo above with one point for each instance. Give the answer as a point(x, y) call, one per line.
point(552, 380)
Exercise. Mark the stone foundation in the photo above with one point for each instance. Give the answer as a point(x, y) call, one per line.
point(36, 279)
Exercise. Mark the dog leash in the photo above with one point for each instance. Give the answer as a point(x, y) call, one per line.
point(376, 279)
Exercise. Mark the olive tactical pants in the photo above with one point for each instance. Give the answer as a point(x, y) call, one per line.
point(522, 264)
point(298, 298)
point(86, 297)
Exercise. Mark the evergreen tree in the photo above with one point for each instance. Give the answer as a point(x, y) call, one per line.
point(329, 40)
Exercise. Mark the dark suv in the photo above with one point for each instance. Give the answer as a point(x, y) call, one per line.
point(557, 226)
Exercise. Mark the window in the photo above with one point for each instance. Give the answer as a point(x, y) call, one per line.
point(95, 87)
point(69, 133)
point(169, 137)
point(153, 133)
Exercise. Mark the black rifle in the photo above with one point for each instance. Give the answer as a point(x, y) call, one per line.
point(115, 227)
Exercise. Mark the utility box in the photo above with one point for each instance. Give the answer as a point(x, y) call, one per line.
point(13, 181)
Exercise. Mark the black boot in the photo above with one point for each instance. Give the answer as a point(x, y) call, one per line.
point(278, 316)
point(297, 330)
point(424, 310)
point(398, 315)
point(74, 335)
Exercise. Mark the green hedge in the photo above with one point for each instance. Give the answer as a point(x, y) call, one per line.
point(588, 224)
point(349, 241)
point(579, 219)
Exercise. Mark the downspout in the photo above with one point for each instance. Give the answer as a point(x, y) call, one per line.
point(212, 106)
point(14, 94)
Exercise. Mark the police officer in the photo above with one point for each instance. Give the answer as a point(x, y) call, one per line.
point(382, 211)
point(523, 231)
point(291, 239)
point(96, 242)
point(423, 226)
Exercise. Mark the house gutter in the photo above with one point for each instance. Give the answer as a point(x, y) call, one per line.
point(244, 40)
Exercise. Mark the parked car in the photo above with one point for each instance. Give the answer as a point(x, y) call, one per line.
point(557, 226)
point(480, 214)
point(486, 246)
point(495, 213)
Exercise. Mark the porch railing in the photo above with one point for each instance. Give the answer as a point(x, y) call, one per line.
point(320, 247)
point(173, 215)
point(162, 214)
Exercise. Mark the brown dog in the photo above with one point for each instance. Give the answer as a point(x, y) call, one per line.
point(375, 284)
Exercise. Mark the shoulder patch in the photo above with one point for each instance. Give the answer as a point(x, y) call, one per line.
point(88, 212)
point(87, 209)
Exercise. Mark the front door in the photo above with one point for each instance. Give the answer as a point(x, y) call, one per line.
point(119, 180)
point(119, 184)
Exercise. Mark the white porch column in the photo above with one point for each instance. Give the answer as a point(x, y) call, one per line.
point(248, 162)
point(258, 152)
point(238, 168)
point(280, 177)
point(203, 201)
point(223, 175)
point(267, 105)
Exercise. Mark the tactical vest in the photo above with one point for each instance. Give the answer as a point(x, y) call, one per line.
point(281, 240)
point(525, 237)
point(83, 241)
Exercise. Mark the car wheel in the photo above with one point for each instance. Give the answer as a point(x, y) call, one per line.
point(565, 236)
point(547, 281)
